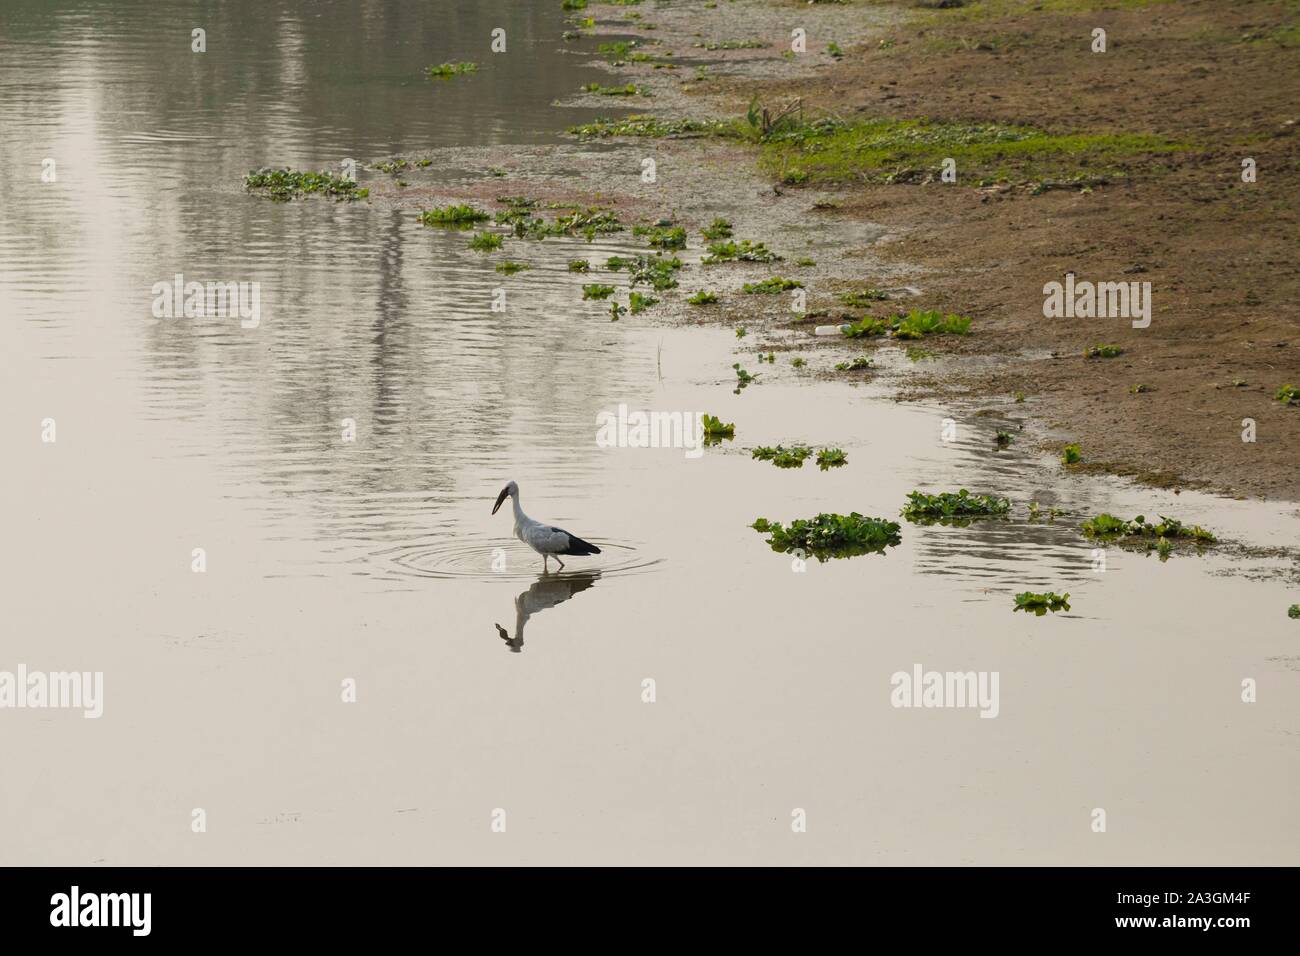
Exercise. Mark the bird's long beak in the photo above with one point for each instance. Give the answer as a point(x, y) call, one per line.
point(500, 498)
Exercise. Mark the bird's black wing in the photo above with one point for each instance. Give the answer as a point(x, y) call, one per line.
point(576, 544)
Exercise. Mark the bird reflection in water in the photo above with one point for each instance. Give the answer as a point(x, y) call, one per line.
point(546, 592)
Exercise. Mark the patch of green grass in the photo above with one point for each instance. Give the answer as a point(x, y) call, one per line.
point(597, 291)
point(703, 297)
point(834, 50)
point(890, 150)
point(1040, 604)
point(510, 268)
point(1107, 527)
point(282, 185)
point(457, 215)
point(574, 5)
point(741, 332)
point(662, 237)
point(716, 429)
point(654, 127)
point(743, 251)
point(1071, 455)
point(487, 241)
point(783, 457)
point(831, 535)
point(718, 229)
point(639, 303)
point(1018, 397)
point(804, 261)
point(772, 286)
point(1103, 351)
point(949, 508)
point(1288, 395)
point(829, 458)
point(579, 265)
point(733, 45)
point(445, 70)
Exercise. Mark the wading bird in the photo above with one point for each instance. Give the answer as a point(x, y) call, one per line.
point(545, 540)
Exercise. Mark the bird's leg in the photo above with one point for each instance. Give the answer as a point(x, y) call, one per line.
point(559, 562)
point(545, 566)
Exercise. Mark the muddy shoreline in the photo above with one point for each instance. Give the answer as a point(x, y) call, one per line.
point(1218, 253)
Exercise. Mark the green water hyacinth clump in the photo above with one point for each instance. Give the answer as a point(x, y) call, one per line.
point(446, 70)
point(1288, 395)
point(743, 251)
point(638, 302)
point(662, 237)
point(783, 457)
point(510, 268)
point(716, 429)
point(1293, 611)
point(487, 241)
point(831, 535)
point(717, 230)
point(952, 508)
point(859, 298)
point(703, 297)
point(1104, 351)
point(1040, 604)
point(916, 324)
point(630, 89)
point(458, 214)
point(772, 286)
point(282, 185)
point(1108, 526)
point(657, 271)
point(829, 458)
point(597, 291)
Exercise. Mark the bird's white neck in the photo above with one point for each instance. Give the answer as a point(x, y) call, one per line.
point(520, 517)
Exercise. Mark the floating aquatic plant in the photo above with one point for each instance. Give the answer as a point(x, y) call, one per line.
point(805, 261)
point(798, 362)
point(741, 331)
point(630, 89)
point(1071, 455)
point(487, 241)
point(657, 271)
point(458, 214)
point(1003, 439)
point(866, 327)
point(716, 429)
point(616, 311)
point(829, 458)
point(743, 251)
point(949, 508)
point(510, 268)
point(1104, 351)
point(663, 237)
point(1038, 513)
point(772, 286)
point(1107, 526)
point(703, 298)
point(1293, 611)
point(743, 378)
point(1040, 604)
point(718, 229)
point(831, 535)
point(282, 185)
point(446, 70)
point(639, 303)
point(783, 457)
point(1139, 389)
point(917, 324)
point(857, 365)
point(733, 45)
point(579, 265)
point(860, 298)
point(597, 291)
point(1288, 395)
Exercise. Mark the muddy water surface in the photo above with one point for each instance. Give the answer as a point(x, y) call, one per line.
point(482, 684)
